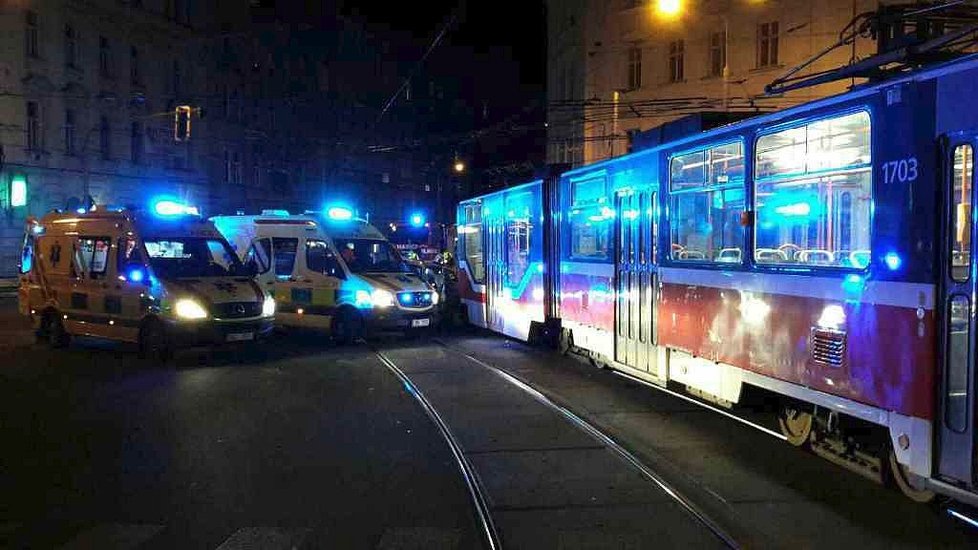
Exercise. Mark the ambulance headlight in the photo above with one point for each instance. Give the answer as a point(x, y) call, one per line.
point(434, 298)
point(189, 309)
point(382, 298)
point(268, 307)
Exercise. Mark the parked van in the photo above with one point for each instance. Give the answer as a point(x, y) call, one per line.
point(163, 280)
point(331, 272)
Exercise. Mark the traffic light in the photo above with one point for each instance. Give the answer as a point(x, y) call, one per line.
point(181, 123)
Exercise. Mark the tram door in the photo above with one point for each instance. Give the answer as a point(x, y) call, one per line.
point(495, 251)
point(635, 279)
point(957, 382)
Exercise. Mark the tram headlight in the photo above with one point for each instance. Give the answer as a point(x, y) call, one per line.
point(381, 298)
point(187, 308)
point(268, 307)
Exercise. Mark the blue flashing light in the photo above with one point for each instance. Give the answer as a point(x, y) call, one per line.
point(174, 208)
point(136, 275)
point(417, 219)
point(406, 298)
point(853, 283)
point(339, 213)
point(81, 210)
point(892, 261)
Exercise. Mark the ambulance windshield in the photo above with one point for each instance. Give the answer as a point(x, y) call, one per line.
point(183, 257)
point(370, 256)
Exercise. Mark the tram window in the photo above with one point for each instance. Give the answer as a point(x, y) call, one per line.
point(956, 384)
point(813, 194)
point(472, 241)
point(517, 250)
point(727, 164)
point(590, 229)
point(964, 159)
point(707, 204)
point(688, 171)
point(706, 225)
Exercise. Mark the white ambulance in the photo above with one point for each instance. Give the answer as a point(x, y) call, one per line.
point(333, 271)
point(161, 279)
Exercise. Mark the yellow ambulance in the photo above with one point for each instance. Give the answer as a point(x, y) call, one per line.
point(332, 271)
point(162, 279)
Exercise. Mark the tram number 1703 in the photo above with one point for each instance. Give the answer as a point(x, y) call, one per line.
point(903, 170)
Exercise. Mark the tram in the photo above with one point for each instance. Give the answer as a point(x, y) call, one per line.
point(821, 254)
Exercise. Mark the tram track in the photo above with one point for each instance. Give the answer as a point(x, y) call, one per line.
point(728, 539)
point(480, 501)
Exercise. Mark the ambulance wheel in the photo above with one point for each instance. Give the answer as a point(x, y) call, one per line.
point(54, 329)
point(347, 327)
point(153, 344)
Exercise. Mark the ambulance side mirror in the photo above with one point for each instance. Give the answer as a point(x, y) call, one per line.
point(251, 269)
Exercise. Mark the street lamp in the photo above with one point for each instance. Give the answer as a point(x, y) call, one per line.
point(669, 8)
point(459, 166)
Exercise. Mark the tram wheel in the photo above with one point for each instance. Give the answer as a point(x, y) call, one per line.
point(796, 424)
point(903, 480)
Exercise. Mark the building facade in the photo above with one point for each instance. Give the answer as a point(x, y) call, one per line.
point(88, 90)
point(621, 66)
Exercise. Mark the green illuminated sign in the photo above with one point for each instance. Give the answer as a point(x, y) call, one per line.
point(18, 191)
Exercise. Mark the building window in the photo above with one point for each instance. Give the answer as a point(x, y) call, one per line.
point(34, 142)
point(71, 47)
point(236, 168)
point(104, 57)
point(718, 53)
point(104, 138)
point(634, 78)
point(30, 36)
point(176, 77)
point(136, 143)
point(677, 54)
point(767, 44)
point(70, 132)
point(134, 73)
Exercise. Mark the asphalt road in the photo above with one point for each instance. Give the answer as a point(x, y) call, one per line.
point(296, 445)
point(302, 445)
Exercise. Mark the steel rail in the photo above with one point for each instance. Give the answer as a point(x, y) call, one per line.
point(610, 442)
point(479, 500)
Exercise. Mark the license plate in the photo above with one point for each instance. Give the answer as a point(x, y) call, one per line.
point(420, 322)
point(241, 336)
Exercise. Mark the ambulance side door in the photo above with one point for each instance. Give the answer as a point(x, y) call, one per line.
point(284, 251)
point(321, 275)
point(127, 297)
point(86, 313)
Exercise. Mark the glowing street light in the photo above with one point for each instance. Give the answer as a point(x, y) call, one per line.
point(669, 8)
point(459, 166)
